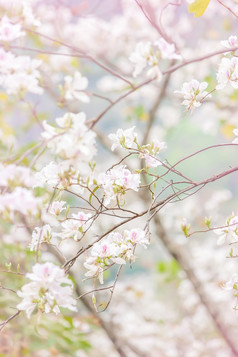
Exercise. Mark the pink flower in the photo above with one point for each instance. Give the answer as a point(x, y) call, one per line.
point(8, 31)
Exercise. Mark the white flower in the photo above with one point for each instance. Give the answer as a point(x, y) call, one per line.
point(148, 54)
point(142, 56)
point(167, 50)
point(49, 174)
point(150, 151)
point(40, 235)
point(75, 86)
point(123, 138)
point(57, 207)
point(150, 160)
point(8, 31)
point(228, 73)
point(94, 270)
point(235, 141)
point(105, 249)
point(13, 202)
point(46, 291)
point(232, 283)
point(116, 181)
point(72, 139)
point(230, 232)
point(76, 225)
point(28, 17)
point(230, 43)
point(17, 175)
point(193, 92)
point(136, 236)
point(19, 74)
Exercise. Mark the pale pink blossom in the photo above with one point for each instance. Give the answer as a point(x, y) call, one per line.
point(75, 86)
point(235, 141)
point(142, 56)
point(19, 74)
point(232, 283)
point(228, 73)
point(9, 31)
point(230, 43)
point(13, 202)
point(40, 235)
point(116, 181)
point(123, 138)
point(16, 175)
point(57, 207)
point(28, 17)
point(72, 139)
point(193, 93)
point(75, 226)
point(167, 49)
point(46, 292)
point(116, 248)
point(230, 232)
point(148, 55)
point(150, 151)
point(136, 236)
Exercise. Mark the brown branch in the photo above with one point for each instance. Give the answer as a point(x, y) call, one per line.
point(183, 259)
point(228, 8)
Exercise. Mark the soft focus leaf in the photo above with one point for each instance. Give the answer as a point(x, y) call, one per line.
point(198, 7)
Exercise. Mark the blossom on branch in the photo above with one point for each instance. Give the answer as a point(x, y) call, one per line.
point(8, 31)
point(49, 290)
point(230, 43)
point(193, 93)
point(148, 54)
point(123, 138)
point(150, 151)
point(230, 231)
point(228, 73)
point(117, 248)
point(72, 139)
point(40, 235)
point(76, 225)
point(116, 182)
point(75, 86)
point(19, 74)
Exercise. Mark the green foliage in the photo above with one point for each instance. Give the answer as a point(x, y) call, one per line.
point(170, 268)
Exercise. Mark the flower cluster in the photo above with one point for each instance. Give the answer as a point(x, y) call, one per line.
point(19, 74)
point(14, 175)
point(148, 54)
point(72, 139)
point(193, 93)
point(117, 248)
point(53, 175)
point(49, 290)
point(116, 182)
point(12, 202)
